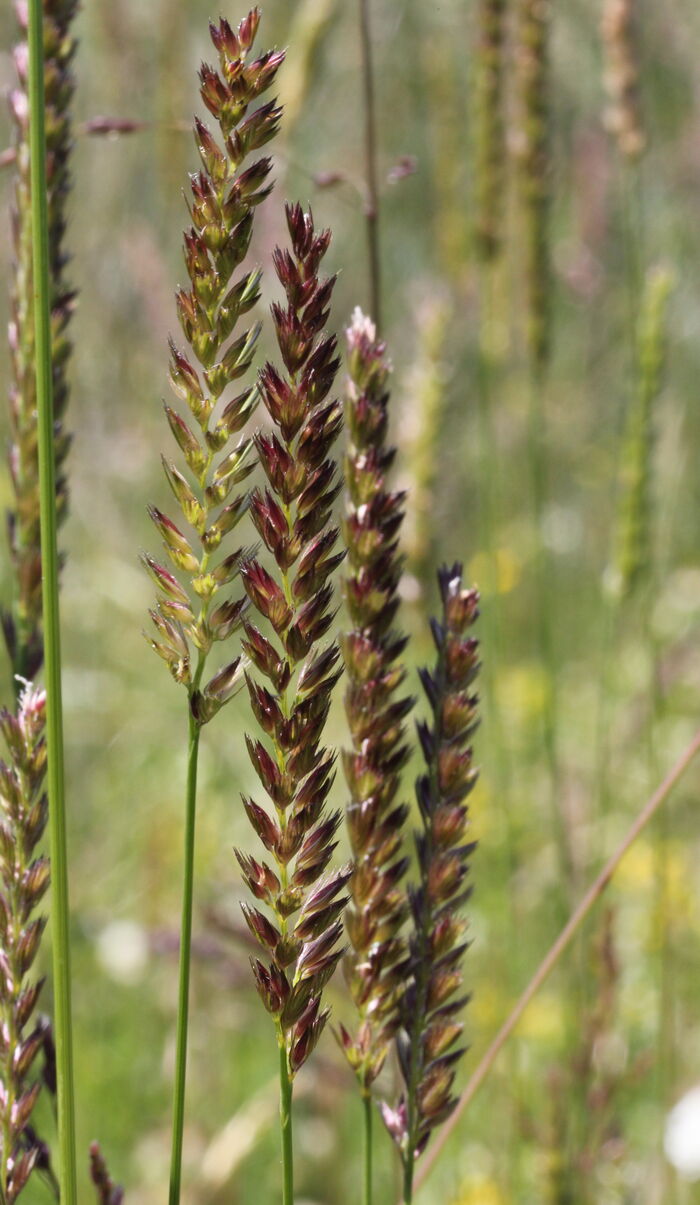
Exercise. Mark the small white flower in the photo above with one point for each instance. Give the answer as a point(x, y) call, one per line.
point(361, 327)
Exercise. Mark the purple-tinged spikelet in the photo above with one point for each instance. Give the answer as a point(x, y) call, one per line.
point(24, 878)
point(433, 999)
point(22, 624)
point(375, 711)
point(293, 518)
point(189, 621)
point(107, 1192)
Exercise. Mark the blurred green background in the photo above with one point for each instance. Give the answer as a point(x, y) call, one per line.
point(125, 722)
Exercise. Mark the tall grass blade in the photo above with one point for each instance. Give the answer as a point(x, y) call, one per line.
point(52, 637)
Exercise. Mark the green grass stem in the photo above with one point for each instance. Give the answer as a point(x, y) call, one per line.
point(52, 637)
point(183, 1006)
point(286, 1126)
point(368, 1152)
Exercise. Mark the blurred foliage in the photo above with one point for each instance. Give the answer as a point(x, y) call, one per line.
point(125, 727)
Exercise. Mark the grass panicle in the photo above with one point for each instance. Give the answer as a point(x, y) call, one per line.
point(432, 1000)
point(623, 115)
point(106, 1191)
point(374, 966)
point(292, 515)
point(224, 199)
point(22, 623)
point(375, 711)
point(489, 128)
point(534, 174)
point(191, 619)
point(24, 879)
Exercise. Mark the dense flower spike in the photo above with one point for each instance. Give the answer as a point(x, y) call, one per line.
point(426, 1041)
point(534, 170)
point(293, 517)
point(189, 621)
point(375, 713)
point(489, 127)
point(623, 116)
point(24, 878)
point(22, 625)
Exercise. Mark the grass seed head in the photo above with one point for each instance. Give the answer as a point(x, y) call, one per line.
point(374, 710)
point(24, 880)
point(190, 619)
point(293, 599)
point(429, 1031)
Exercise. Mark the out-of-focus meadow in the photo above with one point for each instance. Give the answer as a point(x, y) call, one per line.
point(577, 1103)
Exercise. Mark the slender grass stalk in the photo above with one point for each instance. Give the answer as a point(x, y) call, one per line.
point(286, 1124)
point(52, 633)
point(368, 1149)
point(559, 947)
point(372, 199)
point(183, 1006)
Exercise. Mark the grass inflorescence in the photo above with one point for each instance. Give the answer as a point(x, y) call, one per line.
point(293, 518)
point(190, 620)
